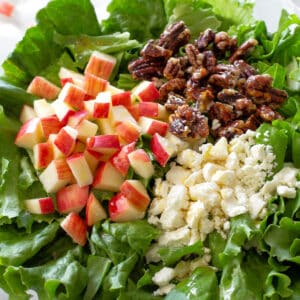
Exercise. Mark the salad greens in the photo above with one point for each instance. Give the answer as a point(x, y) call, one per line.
point(256, 261)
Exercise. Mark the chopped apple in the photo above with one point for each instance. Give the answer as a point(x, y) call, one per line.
point(161, 149)
point(56, 176)
point(146, 91)
point(56, 152)
point(27, 113)
point(100, 64)
point(43, 88)
point(30, 134)
point(119, 114)
point(42, 155)
point(101, 110)
point(122, 210)
point(136, 193)
point(152, 126)
point(94, 211)
point(50, 125)
point(113, 90)
point(107, 177)
point(72, 95)
point(99, 107)
point(86, 129)
point(62, 111)
point(105, 126)
point(141, 163)
point(80, 169)
point(75, 227)
point(148, 109)
point(40, 206)
point(123, 98)
point(106, 144)
point(77, 78)
point(77, 118)
point(72, 198)
point(134, 111)
point(127, 132)
point(79, 147)
point(65, 80)
point(93, 85)
point(93, 158)
point(120, 160)
point(43, 108)
point(66, 139)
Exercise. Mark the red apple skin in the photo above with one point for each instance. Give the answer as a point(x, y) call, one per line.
point(65, 142)
point(94, 211)
point(101, 110)
point(134, 111)
point(93, 85)
point(73, 96)
point(148, 109)
point(152, 126)
point(106, 143)
point(149, 92)
point(75, 227)
point(40, 205)
point(72, 198)
point(50, 125)
point(140, 199)
point(43, 155)
point(123, 98)
point(127, 132)
point(120, 160)
point(160, 154)
point(43, 88)
point(64, 81)
point(77, 118)
point(122, 210)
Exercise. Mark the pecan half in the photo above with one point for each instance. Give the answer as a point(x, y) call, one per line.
point(221, 111)
point(267, 114)
point(174, 101)
point(205, 38)
point(151, 50)
point(194, 57)
point(175, 67)
point(224, 42)
point(243, 50)
point(176, 85)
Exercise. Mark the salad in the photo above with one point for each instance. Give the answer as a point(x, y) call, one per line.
point(150, 250)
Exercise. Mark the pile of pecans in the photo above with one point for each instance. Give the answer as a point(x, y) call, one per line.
point(207, 86)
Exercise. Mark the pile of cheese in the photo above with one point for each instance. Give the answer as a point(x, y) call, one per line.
point(204, 188)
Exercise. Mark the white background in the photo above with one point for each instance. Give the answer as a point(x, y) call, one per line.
point(12, 28)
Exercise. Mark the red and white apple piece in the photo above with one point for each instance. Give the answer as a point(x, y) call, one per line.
point(146, 91)
point(123, 98)
point(86, 129)
point(136, 193)
point(141, 163)
point(27, 113)
point(93, 158)
point(105, 144)
point(134, 111)
point(122, 210)
point(50, 125)
point(113, 90)
point(75, 227)
point(43, 108)
point(148, 109)
point(80, 169)
point(75, 77)
point(105, 126)
point(120, 160)
point(72, 198)
point(72, 95)
point(56, 152)
point(99, 107)
point(40, 206)
point(161, 149)
point(100, 64)
point(43, 88)
point(94, 211)
point(66, 139)
point(120, 114)
point(152, 126)
point(42, 155)
point(107, 178)
point(77, 118)
point(93, 85)
point(30, 134)
point(62, 111)
point(79, 147)
point(56, 175)
point(127, 131)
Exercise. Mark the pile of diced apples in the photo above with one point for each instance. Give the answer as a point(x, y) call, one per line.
point(83, 137)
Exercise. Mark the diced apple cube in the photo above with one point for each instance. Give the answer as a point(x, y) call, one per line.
point(105, 144)
point(42, 155)
point(72, 95)
point(94, 211)
point(141, 163)
point(43, 88)
point(77, 78)
point(119, 114)
point(105, 127)
point(40, 206)
point(50, 125)
point(127, 132)
point(77, 118)
point(56, 152)
point(152, 126)
point(93, 85)
point(93, 158)
point(85, 130)
point(123, 98)
point(146, 91)
point(27, 113)
point(79, 147)
point(43, 108)
point(62, 111)
point(113, 90)
point(66, 139)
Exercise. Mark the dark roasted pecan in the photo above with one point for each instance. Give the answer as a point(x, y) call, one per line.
point(222, 112)
point(151, 50)
point(195, 58)
point(175, 36)
point(267, 114)
point(244, 107)
point(246, 69)
point(224, 42)
point(229, 96)
point(252, 123)
point(174, 101)
point(224, 80)
point(243, 50)
point(231, 130)
point(277, 96)
point(205, 38)
point(178, 127)
point(175, 67)
point(205, 99)
point(209, 61)
point(176, 85)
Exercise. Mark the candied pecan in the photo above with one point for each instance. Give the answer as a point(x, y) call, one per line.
point(195, 58)
point(246, 69)
point(174, 36)
point(244, 106)
point(178, 127)
point(222, 112)
point(277, 96)
point(231, 130)
point(267, 114)
point(209, 61)
point(174, 85)
point(243, 49)
point(224, 80)
point(174, 101)
point(224, 42)
point(142, 68)
point(229, 96)
point(252, 122)
point(151, 50)
point(205, 99)
point(205, 38)
point(175, 67)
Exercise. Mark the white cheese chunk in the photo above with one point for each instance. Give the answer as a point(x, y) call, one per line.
point(163, 276)
point(287, 192)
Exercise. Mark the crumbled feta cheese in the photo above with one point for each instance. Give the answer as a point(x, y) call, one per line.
point(195, 212)
point(177, 175)
point(219, 151)
point(195, 177)
point(255, 204)
point(285, 191)
point(163, 276)
point(189, 159)
point(209, 169)
point(180, 236)
point(206, 192)
point(226, 177)
point(171, 219)
point(232, 162)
